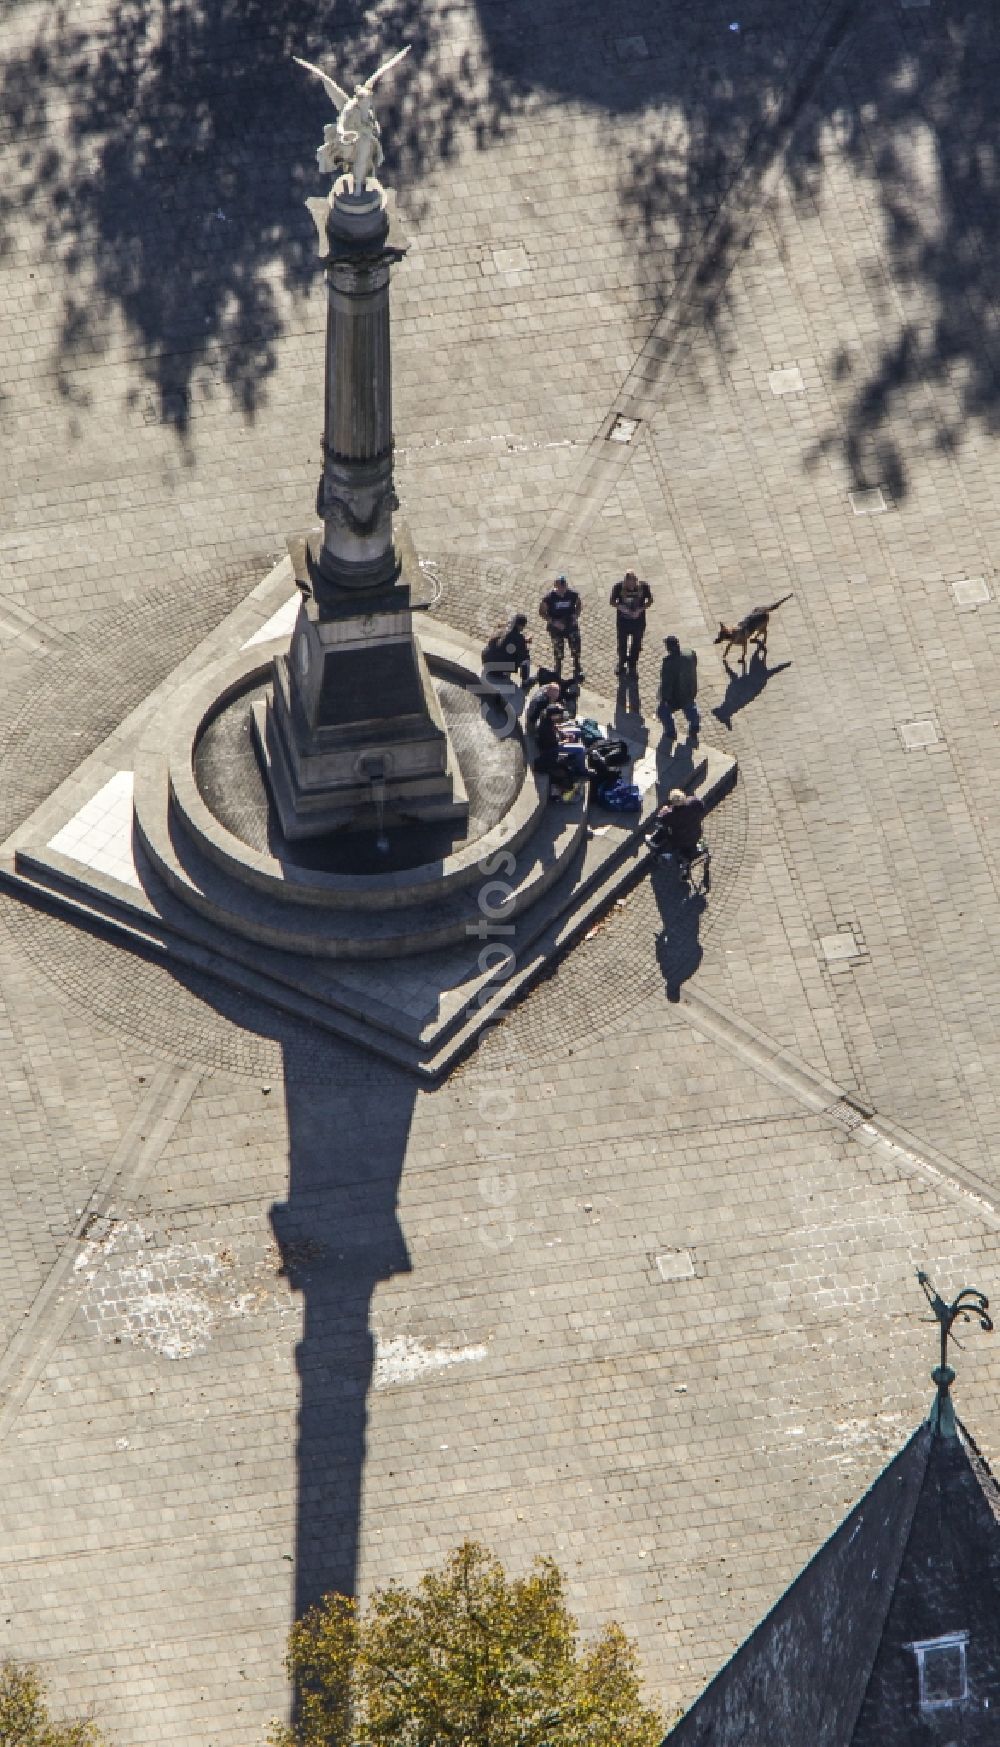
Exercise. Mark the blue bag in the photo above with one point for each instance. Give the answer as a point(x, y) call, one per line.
point(622, 798)
point(590, 731)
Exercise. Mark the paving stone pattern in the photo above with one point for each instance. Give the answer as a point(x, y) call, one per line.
point(635, 1286)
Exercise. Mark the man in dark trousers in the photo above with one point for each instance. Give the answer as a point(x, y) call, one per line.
point(678, 687)
point(561, 608)
point(630, 598)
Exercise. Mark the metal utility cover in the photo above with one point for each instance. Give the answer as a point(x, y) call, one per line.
point(623, 430)
point(837, 947)
point(916, 735)
point(675, 1265)
point(786, 381)
point(868, 501)
point(971, 591)
point(513, 260)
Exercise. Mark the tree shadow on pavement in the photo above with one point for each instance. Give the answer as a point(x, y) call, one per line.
point(726, 126)
point(165, 153)
point(742, 687)
point(165, 156)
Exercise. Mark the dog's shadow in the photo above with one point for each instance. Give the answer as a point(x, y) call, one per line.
point(746, 685)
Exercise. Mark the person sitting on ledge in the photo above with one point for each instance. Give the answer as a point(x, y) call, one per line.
point(507, 651)
point(544, 697)
point(677, 826)
point(562, 755)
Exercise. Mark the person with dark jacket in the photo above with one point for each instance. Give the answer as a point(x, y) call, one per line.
point(559, 755)
point(677, 826)
point(678, 686)
point(561, 608)
point(545, 696)
point(507, 651)
point(630, 598)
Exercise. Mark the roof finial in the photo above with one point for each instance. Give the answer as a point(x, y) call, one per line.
point(968, 1305)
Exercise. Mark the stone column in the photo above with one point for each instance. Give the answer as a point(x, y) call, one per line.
point(353, 733)
point(356, 497)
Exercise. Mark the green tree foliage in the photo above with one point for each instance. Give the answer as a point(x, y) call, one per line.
point(24, 1714)
point(468, 1658)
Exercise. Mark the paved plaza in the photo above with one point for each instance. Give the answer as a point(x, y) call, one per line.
point(636, 1285)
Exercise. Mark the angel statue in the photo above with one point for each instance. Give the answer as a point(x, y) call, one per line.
point(355, 143)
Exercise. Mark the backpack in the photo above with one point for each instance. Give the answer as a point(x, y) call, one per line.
point(590, 731)
point(621, 797)
point(608, 755)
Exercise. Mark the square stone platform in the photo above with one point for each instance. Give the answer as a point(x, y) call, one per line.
point(78, 854)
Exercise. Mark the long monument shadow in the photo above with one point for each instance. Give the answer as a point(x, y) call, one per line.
point(339, 1236)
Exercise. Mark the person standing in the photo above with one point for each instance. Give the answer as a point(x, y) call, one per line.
point(678, 686)
point(561, 608)
point(630, 598)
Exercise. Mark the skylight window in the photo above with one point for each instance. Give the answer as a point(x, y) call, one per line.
point(941, 1670)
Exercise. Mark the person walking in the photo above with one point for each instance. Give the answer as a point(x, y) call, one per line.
point(630, 598)
point(561, 608)
point(678, 687)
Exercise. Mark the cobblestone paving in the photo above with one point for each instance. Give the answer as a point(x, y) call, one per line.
point(635, 1286)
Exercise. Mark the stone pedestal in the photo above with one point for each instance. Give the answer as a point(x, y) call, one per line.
point(354, 733)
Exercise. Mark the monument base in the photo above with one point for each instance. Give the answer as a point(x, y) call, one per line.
point(353, 736)
point(313, 810)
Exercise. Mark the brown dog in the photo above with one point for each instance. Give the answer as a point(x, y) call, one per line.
point(752, 629)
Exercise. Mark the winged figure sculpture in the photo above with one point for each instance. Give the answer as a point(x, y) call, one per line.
point(354, 143)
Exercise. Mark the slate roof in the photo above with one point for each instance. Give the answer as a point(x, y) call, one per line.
point(834, 1664)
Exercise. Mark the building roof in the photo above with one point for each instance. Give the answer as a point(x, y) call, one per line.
point(890, 1637)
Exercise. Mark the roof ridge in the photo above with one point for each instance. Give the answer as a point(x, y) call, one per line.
point(904, 1540)
point(988, 1481)
point(912, 1458)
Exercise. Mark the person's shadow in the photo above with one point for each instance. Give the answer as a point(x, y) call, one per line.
point(628, 704)
point(678, 765)
point(678, 946)
point(745, 685)
point(629, 723)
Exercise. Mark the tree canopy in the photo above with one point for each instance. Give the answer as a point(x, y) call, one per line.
point(468, 1658)
point(24, 1714)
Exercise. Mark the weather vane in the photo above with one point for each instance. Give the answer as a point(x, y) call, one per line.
point(969, 1306)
